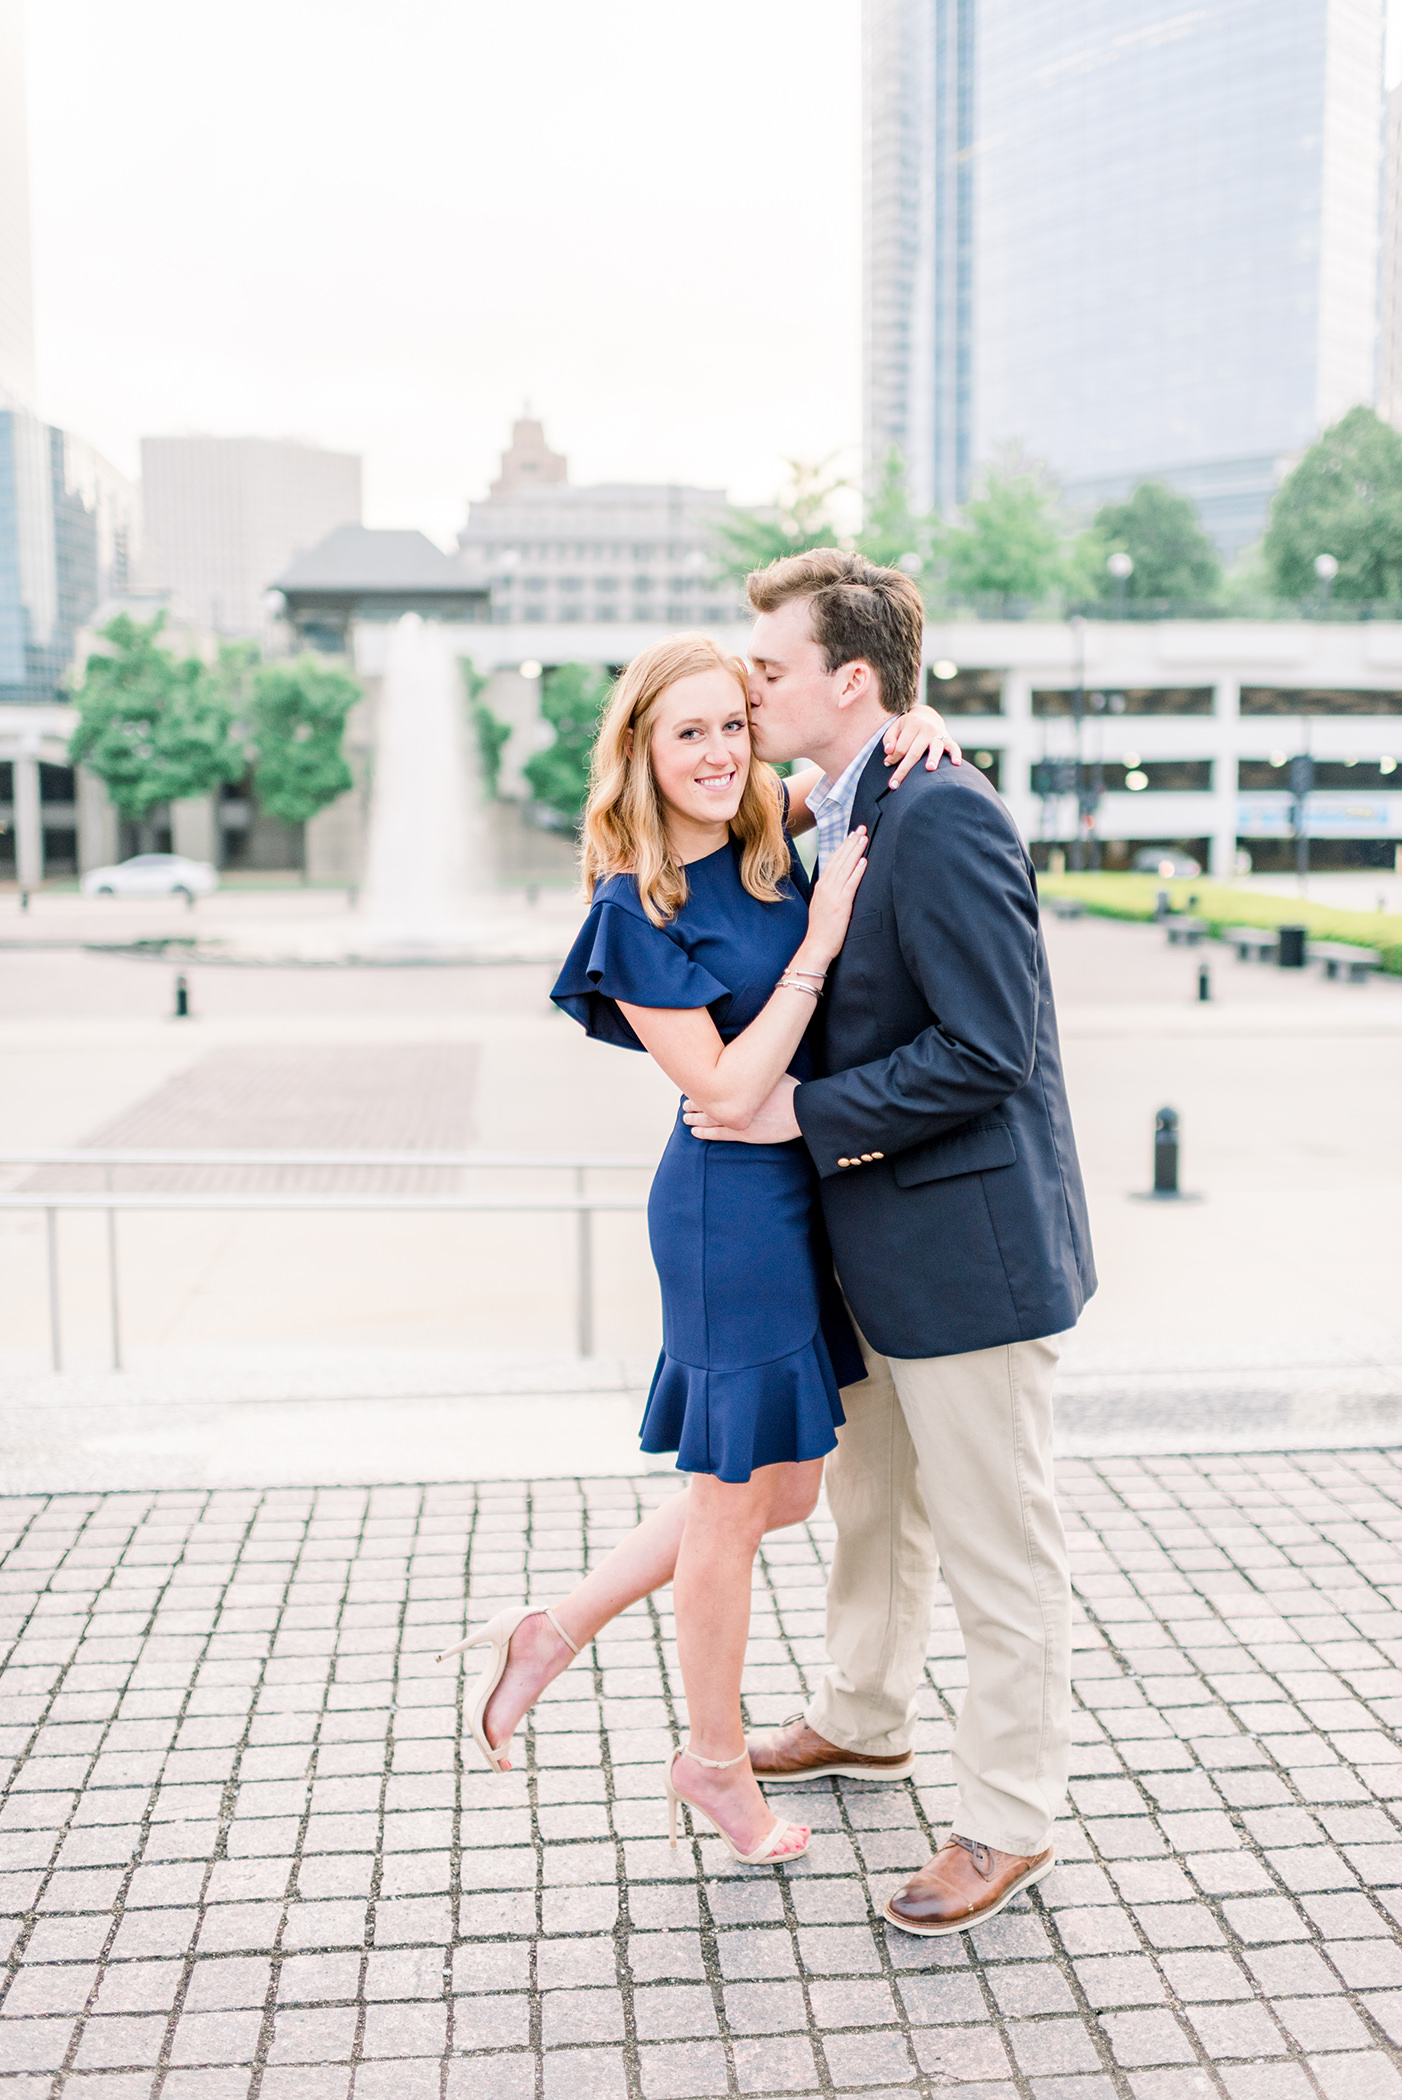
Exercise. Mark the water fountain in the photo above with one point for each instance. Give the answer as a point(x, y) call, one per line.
point(428, 875)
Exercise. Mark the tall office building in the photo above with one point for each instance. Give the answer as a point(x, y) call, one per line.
point(68, 530)
point(1141, 240)
point(224, 516)
point(68, 520)
point(17, 387)
point(1390, 275)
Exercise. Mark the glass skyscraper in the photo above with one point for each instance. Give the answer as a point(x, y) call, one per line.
point(16, 275)
point(68, 520)
point(1139, 237)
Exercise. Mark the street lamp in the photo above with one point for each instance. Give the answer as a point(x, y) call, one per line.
point(1301, 787)
point(1326, 568)
point(1087, 796)
point(1121, 567)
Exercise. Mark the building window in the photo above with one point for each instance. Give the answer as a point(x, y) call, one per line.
point(1127, 700)
point(1316, 700)
point(966, 692)
point(1172, 776)
point(1366, 776)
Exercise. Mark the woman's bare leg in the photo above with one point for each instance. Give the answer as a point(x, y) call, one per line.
point(724, 1525)
point(642, 1562)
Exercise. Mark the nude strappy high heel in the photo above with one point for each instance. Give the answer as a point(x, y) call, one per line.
point(770, 1849)
point(496, 1635)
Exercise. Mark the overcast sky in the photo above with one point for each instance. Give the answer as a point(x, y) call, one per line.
point(381, 227)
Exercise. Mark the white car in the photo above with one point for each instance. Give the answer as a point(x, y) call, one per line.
point(152, 875)
point(1167, 862)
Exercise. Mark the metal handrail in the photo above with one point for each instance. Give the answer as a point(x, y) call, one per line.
point(582, 1205)
point(148, 1156)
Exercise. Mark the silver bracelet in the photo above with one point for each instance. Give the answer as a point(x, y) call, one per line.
point(792, 984)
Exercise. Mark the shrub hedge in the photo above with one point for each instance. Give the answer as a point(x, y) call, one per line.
point(1135, 897)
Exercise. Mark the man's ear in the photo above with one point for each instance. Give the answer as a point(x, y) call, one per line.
point(857, 679)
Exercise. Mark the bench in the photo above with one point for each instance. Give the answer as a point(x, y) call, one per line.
point(1066, 907)
point(1342, 960)
point(1185, 933)
point(1251, 943)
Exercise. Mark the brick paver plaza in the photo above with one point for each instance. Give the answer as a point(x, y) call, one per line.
point(245, 1852)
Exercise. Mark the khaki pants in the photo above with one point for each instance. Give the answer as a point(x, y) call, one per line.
point(947, 1460)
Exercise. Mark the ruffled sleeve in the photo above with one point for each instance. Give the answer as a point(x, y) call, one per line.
point(620, 954)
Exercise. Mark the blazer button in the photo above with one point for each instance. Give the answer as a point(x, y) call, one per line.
point(844, 1162)
point(878, 1155)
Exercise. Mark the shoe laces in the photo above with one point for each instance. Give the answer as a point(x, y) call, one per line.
point(980, 1854)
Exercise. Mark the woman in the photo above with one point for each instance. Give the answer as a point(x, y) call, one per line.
point(704, 947)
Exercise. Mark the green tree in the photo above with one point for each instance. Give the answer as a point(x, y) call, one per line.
point(297, 718)
point(1162, 534)
point(153, 728)
point(491, 732)
point(748, 539)
point(892, 535)
point(570, 701)
point(1009, 543)
point(1345, 499)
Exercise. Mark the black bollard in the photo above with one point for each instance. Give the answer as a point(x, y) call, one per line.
point(1161, 905)
point(1204, 983)
point(182, 999)
point(1166, 1152)
point(1291, 953)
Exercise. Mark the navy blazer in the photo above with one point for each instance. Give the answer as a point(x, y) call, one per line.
point(940, 1128)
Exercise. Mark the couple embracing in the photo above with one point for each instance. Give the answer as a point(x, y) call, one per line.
point(868, 1222)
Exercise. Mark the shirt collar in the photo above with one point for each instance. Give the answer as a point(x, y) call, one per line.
point(844, 788)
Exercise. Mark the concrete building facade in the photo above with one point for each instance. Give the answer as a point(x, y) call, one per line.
point(1191, 725)
point(551, 552)
point(1140, 242)
point(1188, 726)
point(224, 516)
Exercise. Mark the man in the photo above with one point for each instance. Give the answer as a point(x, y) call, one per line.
point(954, 1204)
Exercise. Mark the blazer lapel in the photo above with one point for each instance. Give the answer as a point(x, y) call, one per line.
point(874, 786)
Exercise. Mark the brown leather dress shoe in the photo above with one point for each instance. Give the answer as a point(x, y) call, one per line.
point(795, 1752)
point(964, 1885)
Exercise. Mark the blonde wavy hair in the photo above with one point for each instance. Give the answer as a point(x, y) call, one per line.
point(625, 825)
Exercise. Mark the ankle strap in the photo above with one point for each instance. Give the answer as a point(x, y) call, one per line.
point(714, 1764)
point(549, 1614)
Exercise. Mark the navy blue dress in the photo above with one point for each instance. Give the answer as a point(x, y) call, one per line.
point(755, 1338)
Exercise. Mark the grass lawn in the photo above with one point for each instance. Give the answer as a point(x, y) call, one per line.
point(1134, 897)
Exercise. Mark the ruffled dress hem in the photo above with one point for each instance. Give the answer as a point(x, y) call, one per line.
point(729, 1422)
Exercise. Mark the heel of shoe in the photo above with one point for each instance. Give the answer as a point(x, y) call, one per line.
point(474, 1640)
point(670, 1785)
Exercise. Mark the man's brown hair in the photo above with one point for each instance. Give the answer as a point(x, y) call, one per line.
point(859, 612)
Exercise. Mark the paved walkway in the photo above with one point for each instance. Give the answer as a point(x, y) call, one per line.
point(244, 1851)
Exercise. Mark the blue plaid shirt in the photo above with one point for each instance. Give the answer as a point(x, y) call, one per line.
point(830, 801)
